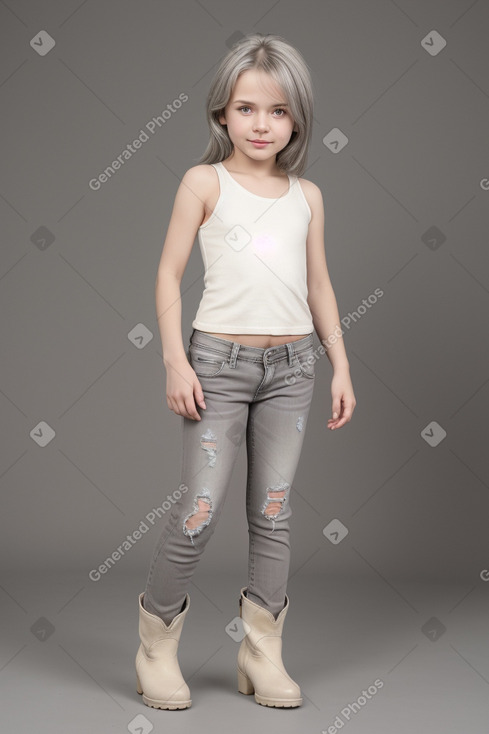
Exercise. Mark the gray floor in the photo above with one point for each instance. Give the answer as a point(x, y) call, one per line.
point(419, 651)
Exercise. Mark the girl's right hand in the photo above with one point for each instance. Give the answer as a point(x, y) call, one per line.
point(183, 390)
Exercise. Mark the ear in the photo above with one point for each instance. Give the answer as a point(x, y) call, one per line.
point(222, 119)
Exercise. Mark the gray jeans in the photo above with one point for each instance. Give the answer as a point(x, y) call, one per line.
point(265, 393)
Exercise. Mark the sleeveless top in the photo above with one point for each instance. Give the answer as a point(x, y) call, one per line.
point(254, 253)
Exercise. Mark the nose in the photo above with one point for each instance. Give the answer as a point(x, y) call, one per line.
point(261, 122)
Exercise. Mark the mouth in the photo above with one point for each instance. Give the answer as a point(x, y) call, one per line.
point(260, 142)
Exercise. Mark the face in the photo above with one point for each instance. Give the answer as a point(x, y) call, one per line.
point(257, 110)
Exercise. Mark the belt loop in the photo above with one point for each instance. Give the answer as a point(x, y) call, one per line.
point(234, 354)
point(290, 350)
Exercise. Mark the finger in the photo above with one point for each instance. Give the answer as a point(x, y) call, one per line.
point(201, 401)
point(344, 419)
point(336, 408)
point(199, 395)
point(191, 409)
point(176, 406)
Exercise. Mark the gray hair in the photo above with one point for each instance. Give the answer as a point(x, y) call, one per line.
point(287, 67)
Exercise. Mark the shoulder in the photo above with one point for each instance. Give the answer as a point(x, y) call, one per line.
point(200, 178)
point(313, 194)
point(311, 190)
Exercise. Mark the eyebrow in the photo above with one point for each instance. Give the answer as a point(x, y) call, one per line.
point(277, 104)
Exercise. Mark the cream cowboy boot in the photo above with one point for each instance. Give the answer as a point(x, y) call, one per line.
point(260, 666)
point(159, 678)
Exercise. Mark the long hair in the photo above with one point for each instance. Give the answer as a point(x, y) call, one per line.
point(273, 55)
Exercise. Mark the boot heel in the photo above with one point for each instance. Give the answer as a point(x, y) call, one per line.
point(138, 685)
point(244, 684)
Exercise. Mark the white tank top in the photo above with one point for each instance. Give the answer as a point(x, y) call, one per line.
point(254, 254)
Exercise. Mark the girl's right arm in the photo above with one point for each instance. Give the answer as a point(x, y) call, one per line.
point(183, 388)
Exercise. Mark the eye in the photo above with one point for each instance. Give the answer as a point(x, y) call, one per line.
point(245, 107)
point(280, 109)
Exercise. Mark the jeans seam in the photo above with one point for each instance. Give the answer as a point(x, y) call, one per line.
point(251, 569)
point(160, 546)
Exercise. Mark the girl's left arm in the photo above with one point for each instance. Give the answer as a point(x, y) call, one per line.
point(324, 310)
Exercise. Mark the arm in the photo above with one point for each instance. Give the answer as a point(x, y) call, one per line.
point(187, 215)
point(324, 310)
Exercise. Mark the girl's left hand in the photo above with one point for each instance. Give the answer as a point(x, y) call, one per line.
point(343, 399)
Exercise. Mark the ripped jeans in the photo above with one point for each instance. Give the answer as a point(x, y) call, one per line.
point(265, 393)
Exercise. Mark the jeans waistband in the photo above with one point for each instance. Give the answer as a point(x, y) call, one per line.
point(231, 349)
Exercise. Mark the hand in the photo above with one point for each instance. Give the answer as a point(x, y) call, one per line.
point(183, 389)
point(343, 399)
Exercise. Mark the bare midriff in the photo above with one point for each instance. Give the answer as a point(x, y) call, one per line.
point(259, 340)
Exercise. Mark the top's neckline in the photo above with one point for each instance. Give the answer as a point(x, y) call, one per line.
point(257, 196)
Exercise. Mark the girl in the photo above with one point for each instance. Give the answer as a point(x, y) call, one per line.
point(250, 364)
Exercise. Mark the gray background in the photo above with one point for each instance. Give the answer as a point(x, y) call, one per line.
point(406, 212)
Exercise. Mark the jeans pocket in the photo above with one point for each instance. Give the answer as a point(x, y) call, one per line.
point(204, 362)
point(306, 364)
